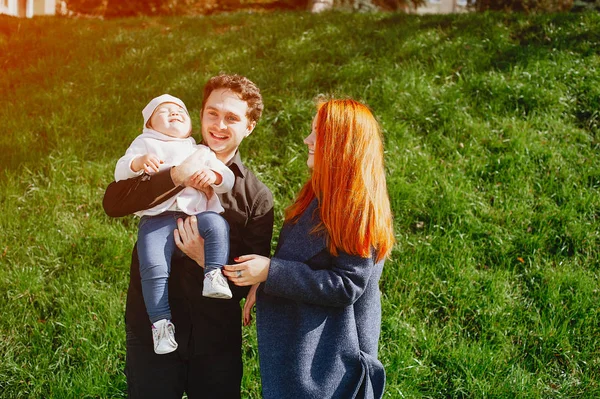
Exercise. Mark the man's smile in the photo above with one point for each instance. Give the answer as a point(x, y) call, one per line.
point(218, 136)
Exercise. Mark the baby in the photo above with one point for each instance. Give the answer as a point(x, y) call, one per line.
point(165, 142)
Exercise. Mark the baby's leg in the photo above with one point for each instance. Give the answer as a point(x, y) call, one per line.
point(214, 229)
point(215, 232)
point(155, 247)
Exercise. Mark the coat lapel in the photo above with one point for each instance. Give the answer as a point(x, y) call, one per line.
point(297, 243)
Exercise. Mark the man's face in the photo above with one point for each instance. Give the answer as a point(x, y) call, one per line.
point(224, 123)
point(172, 120)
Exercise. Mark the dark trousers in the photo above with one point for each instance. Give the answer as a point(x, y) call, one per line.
point(168, 376)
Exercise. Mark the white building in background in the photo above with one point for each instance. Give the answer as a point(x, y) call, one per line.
point(27, 8)
point(441, 7)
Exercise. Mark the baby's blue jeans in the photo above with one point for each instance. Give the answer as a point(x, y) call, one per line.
point(156, 246)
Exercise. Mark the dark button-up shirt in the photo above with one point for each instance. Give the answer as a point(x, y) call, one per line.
point(212, 325)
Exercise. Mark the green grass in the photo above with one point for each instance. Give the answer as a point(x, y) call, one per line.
point(492, 126)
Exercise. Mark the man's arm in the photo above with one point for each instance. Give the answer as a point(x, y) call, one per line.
point(144, 192)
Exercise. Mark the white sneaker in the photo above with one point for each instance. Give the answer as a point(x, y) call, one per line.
point(163, 335)
point(215, 285)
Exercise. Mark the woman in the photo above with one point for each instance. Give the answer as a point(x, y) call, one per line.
point(318, 307)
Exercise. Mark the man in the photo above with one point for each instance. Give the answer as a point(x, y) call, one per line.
point(208, 362)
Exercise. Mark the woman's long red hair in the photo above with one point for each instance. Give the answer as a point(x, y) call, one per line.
point(348, 179)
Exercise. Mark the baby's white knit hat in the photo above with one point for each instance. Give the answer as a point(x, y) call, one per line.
point(165, 98)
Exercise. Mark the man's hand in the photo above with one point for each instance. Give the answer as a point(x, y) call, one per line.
point(149, 162)
point(188, 239)
point(182, 173)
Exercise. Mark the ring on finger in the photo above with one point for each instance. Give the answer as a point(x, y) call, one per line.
point(239, 273)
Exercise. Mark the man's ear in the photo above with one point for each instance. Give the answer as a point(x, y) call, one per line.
point(251, 127)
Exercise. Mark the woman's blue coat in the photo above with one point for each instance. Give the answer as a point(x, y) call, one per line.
point(318, 320)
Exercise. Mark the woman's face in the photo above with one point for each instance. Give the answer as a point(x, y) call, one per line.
point(310, 142)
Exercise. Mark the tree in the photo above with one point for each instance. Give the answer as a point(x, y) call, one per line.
point(129, 8)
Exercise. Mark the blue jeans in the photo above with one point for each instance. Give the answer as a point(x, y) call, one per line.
point(156, 246)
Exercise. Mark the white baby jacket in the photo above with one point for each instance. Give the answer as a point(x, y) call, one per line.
point(173, 151)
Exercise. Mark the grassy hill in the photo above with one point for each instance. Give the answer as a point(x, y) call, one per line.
point(491, 125)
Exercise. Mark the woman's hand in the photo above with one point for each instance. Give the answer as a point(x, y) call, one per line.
point(249, 304)
point(188, 239)
point(250, 270)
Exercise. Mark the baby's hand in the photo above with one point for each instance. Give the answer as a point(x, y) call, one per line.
point(149, 162)
point(203, 178)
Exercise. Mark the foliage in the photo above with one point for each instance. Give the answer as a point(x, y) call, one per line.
point(586, 5)
point(129, 8)
point(523, 5)
point(118, 8)
point(87, 7)
point(492, 139)
point(398, 4)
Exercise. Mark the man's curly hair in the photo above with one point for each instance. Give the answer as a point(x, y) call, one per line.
point(240, 85)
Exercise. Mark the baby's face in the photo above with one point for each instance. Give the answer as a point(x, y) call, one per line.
point(172, 120)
